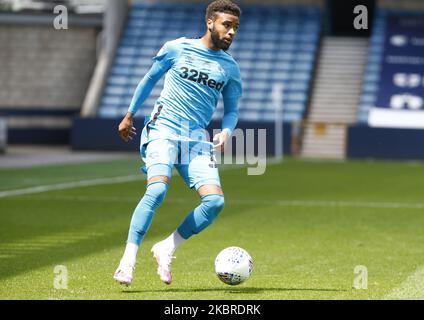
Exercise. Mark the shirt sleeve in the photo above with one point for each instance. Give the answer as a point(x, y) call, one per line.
point(233, 89)
point(231, 94)
point(167, 55)
point(145, 87)
point(230, 119)
point(163, 61)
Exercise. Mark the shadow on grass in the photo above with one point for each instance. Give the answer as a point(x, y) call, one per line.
point(241, 290)
point(58, 219)
point(28, 220)
point(50, 222)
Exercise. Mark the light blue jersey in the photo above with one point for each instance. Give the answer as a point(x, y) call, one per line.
point(196, 77)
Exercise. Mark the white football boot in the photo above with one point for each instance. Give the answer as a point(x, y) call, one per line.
point(163, 258)
point(124, 274)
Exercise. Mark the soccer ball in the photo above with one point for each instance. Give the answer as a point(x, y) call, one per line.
point(233, 265)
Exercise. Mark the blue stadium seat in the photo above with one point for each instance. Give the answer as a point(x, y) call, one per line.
point(372, 72)
point(275, 45)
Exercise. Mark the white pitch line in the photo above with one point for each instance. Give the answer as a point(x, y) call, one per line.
point(70, 185)
point(282, 203)
point(411, 289)
point(94, 182)
point(354, 204)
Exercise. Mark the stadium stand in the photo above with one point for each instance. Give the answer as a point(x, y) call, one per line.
point(75, 6)
point(372, 71)
point(374, 136)
point(45, 72)
point(375, 55)
point(334, 96)
point(276, 44)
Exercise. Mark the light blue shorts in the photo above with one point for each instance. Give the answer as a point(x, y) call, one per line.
point(194, 161)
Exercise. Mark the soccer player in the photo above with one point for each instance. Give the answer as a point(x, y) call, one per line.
point(198, 72)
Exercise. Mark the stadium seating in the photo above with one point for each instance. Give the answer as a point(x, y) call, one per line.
point(372, 72)
point(275, 45)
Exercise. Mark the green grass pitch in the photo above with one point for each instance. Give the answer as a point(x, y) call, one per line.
point(307, 225)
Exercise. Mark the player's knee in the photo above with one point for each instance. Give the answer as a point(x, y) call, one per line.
point(156, 192)
point(214, 203)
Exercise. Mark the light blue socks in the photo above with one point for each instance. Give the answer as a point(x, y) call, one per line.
point(144, 212)
point(195, 222)
point(202, 216)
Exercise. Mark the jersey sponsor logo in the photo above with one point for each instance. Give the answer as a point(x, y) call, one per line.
point(201, 78)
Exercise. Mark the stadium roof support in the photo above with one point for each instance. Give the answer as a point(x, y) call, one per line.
point(113, 23)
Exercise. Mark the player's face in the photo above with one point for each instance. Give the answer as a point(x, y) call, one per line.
point(223, 30)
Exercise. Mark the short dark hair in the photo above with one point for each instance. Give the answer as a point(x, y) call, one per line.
point(223, 6)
